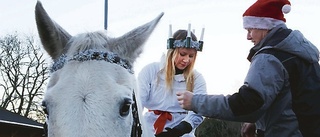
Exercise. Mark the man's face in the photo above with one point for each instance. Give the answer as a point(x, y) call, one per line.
point(256, 35)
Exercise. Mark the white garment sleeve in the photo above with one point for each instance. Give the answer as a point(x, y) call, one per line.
point(144, 82)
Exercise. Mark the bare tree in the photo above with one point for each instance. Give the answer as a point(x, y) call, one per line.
point(24, 73)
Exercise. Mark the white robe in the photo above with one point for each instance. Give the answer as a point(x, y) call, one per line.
point(155, 96)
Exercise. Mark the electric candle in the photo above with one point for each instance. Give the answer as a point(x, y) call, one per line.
point(189, 30)
point(202, 32)
point(170, 31)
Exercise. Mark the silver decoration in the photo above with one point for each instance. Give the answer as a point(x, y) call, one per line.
point(91, 55)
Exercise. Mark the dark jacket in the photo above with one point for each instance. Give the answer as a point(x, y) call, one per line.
point(301, 60)
point(265, 98)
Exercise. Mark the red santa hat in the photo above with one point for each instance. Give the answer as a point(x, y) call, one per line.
point(266, 14)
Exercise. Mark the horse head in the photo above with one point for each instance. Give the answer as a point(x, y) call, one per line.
point(91, 86)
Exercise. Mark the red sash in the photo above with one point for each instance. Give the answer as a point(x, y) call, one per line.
point(161, 121)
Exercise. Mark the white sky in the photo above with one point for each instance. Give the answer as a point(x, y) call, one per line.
point(225, 45)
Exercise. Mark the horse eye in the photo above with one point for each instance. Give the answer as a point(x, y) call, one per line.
point(125, 107)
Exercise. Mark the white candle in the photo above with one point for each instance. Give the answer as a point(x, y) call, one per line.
point(189, 30)
point(170, 31)
point(202, 32)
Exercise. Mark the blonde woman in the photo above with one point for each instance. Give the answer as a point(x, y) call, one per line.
point(159, 82)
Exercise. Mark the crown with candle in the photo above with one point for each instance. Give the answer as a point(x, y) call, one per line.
point(186, 43)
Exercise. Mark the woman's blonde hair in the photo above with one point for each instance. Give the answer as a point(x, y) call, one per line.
point(170, 67)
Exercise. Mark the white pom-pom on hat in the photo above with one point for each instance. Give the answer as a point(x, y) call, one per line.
point(286, 8)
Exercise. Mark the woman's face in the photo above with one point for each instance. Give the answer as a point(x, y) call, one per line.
point(185, 57)
point(256, 35)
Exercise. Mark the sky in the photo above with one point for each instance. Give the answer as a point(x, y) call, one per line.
point(223, 59)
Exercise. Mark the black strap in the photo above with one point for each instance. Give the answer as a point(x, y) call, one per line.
point(136, 130)
point(283, 56)
point(292, 64)
point(45, 129)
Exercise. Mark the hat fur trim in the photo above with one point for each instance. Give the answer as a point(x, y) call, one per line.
point(254, 22)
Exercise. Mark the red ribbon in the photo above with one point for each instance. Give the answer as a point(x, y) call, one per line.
point(161, 121)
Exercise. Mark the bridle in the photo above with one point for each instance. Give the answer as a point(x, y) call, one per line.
point(110, 57)
point(91, 55)
point(136, 130)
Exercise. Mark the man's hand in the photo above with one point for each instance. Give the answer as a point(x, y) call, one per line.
point(248, 130)
point(185, 99)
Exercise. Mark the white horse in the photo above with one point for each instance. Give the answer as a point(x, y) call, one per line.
point(91, 86)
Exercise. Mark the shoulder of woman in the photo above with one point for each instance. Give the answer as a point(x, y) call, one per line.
point(196, 73)
point(151, 67)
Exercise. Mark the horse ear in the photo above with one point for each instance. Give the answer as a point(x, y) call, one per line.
point(53, 37)
point(132, 42)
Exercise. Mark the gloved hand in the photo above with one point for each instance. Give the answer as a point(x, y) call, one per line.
point(179, 130)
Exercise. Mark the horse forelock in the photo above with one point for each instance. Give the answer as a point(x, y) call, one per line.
point(91, 40)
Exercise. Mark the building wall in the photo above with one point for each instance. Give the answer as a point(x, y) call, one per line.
point(9, 130)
